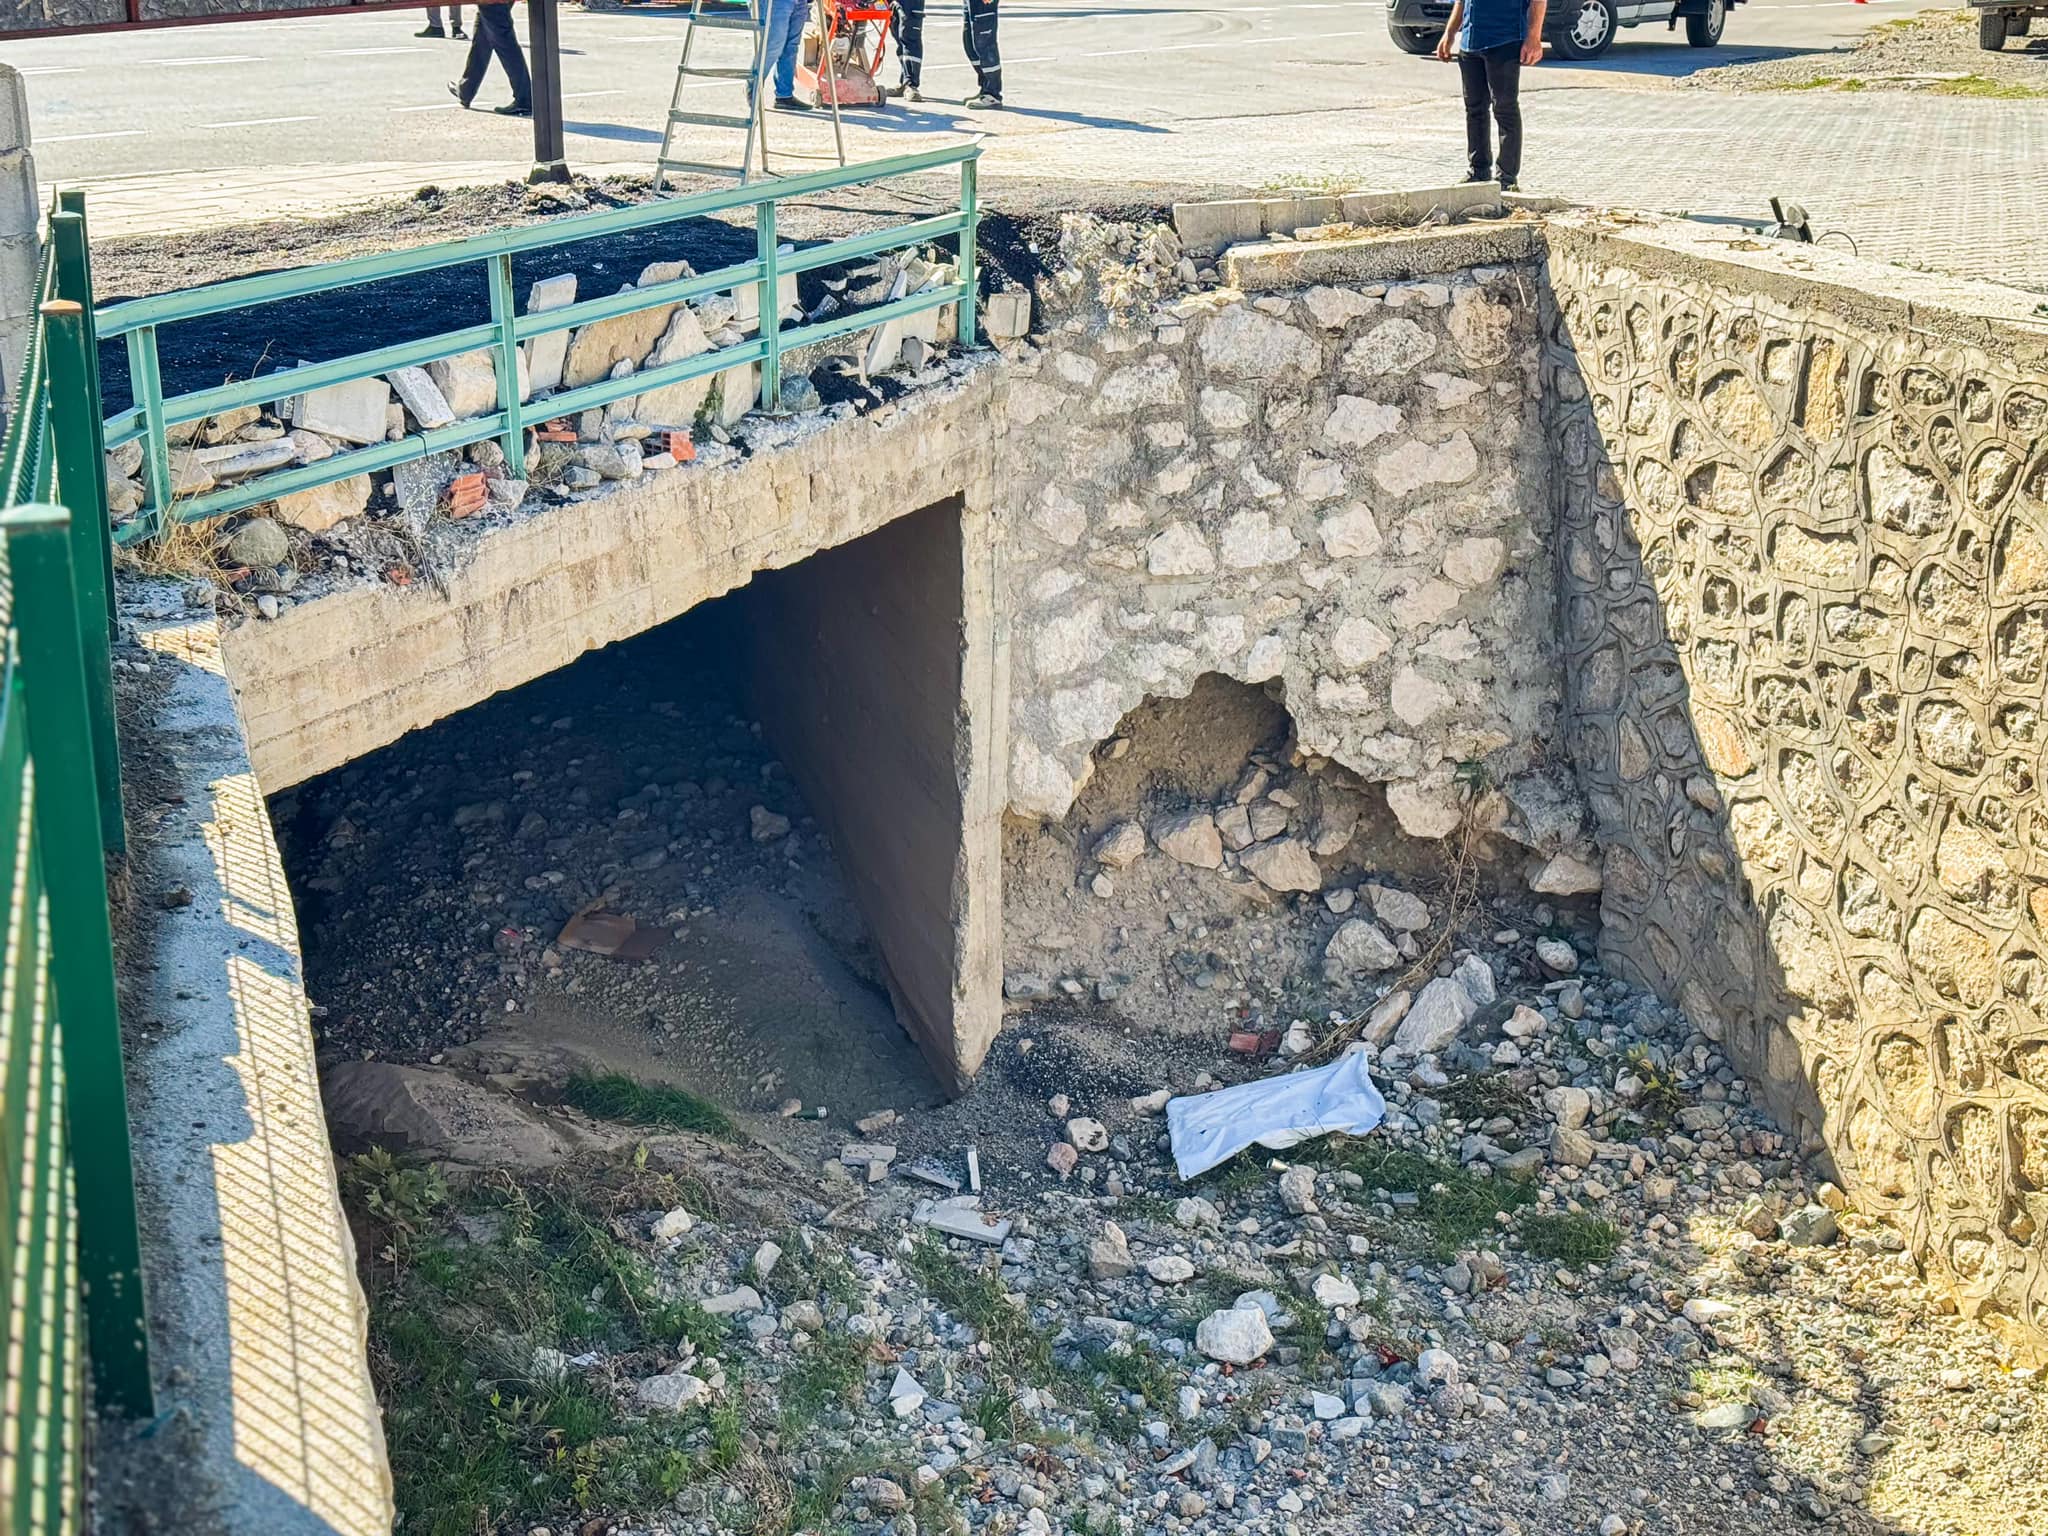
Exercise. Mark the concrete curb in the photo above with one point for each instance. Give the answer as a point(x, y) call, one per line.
point(258, 1325)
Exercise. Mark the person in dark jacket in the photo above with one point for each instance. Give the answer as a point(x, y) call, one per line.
point(909, 48)
point(1493, 39)
point(495, 35)
point(978, 37)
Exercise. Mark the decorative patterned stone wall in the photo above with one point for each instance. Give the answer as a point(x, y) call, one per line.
point(1804, 603)
point(1344, 489)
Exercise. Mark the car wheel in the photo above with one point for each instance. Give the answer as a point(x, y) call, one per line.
point(1417, 40)
point(1587, 29)
point(1704, 28)
point(1991, 30)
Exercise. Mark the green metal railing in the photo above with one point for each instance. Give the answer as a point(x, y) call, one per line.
point(67, 1197)
point(152, 413)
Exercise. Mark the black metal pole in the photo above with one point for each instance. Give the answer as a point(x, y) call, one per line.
point(544, 42)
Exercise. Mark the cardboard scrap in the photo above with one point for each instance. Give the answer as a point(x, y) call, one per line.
point(610, 934)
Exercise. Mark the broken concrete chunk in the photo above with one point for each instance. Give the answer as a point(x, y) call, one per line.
point(1237, 1336)
point(320, 508)
point(734, 1302)
point(1006, 316)
point(421, 397)
point(468, 381)
point(1284, 864)
point(1121, 846)
point(1398, 909)
point(352, 411)
point(671, 1393)
point(1358, 947)
point(858, 1154)
point(1191, 838)
point(667, 1228)
point(1088, 1135)
point(1441, 1010)
point(963, 1220)
point(1565, 875)
point(1109, 1255)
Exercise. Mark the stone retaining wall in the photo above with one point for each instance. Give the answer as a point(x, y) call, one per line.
point(1342, 489)
point(1804, 597)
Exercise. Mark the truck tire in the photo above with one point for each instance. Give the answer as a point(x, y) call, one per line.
point(1416, 40)
point(1584, 28)
point(1703, 28)
point(1991, 30)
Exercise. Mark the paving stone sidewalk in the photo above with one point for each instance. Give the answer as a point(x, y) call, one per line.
point(1951, 185)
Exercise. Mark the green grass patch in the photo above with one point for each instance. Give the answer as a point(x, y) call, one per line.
point(831, 1371)
point(480, 1434)
point(1980, 85)
point(614, 1096)
point(976, 1296)
point(1454, 1206)
point(1570, 1237)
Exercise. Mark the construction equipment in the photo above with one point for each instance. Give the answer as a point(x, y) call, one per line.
point(751, 18)
point(851, 40)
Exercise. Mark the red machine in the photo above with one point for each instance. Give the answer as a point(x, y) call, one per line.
point(843, 52)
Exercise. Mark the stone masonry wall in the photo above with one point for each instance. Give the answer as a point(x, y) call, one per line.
point(1804, 589)
point(1344, 489)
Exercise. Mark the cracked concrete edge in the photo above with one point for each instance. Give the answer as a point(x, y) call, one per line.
point(258, 1324)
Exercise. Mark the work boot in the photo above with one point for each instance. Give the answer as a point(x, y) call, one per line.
point(792, 104)
point(458, 32)
point(981, 101)
point(432, 32)
point(515, 109)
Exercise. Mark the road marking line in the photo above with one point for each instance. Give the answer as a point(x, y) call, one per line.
point(586, 95)
point(56, 69)
point(439, 106)
point(226, 58)
point(260, 122)
point(74, 138)
point(362, 53)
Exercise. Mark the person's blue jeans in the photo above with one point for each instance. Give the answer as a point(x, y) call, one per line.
point(785, 37)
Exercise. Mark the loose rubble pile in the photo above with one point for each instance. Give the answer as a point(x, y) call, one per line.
point(566, 457)
point(1574, 1283)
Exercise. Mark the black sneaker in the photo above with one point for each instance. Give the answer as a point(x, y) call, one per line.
point(1476, 178)
point(515, 109)
point(792, 104)
point(432, 32)
point(1511, 186)
point(458, 32)
point(455, 90)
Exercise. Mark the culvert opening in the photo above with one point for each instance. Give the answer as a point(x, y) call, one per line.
point(755, 798)
point(1211, 866)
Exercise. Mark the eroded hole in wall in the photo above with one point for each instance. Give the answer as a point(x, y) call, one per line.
point(434, 879)
point(1205, 870)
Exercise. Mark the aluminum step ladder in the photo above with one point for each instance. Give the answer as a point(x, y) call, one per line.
point(750, 17)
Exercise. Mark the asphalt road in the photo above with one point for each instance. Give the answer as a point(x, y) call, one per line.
point(353, 89)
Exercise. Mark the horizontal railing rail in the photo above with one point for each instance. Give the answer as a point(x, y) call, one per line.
point(151, 415)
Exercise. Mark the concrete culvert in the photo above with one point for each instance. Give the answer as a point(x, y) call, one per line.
point(759, 793)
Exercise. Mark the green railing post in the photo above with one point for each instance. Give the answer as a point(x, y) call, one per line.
point(81, 950)
point(74, 281)
point(82, 486)
point(504, 315)
point(146, 387)
point(970, 211)
point(771, 308)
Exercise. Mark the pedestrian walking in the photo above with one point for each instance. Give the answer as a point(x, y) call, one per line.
point(433, 26)
point(910, 47)
point(1493, 39)
point(495, 34)
point(784, 40)
point(978, 37)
